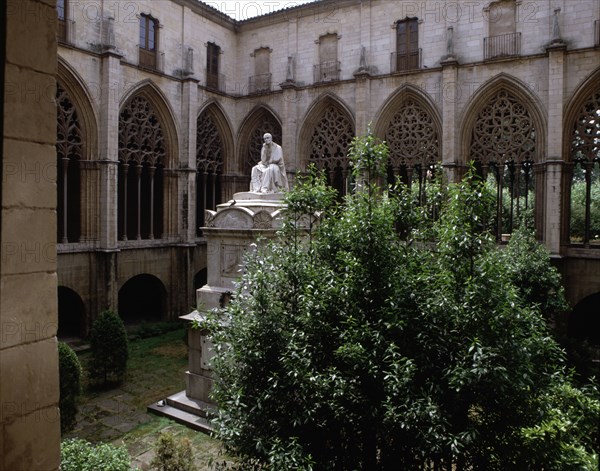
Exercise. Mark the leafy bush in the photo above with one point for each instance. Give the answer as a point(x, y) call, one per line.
point(173, 454)
point(354, 349)
point(109, 347)
point(69, 370)
point(81, 455)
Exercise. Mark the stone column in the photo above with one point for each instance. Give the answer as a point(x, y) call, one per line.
point(109, 148)
point(552, 211)
point(289, 128)
point(29, 389)
point(449, 95)
point(362, 102)
point(189, 117)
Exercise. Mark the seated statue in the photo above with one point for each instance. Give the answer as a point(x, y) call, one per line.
point(268, 176)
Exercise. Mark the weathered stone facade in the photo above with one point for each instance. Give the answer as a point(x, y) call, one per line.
point(313, 76)
point(29, 393)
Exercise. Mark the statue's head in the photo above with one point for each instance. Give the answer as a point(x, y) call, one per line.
point(268, 138)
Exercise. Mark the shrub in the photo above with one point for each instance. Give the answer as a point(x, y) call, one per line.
point(353, 349)
point(69, 370)
point(108, 342)
point(173, 454)
point(81, 455)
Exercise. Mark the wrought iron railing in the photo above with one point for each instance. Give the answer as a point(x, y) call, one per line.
point(401, 61)
point(504, 45)
point(215, 81)
point(327, 71)
point(259, 83)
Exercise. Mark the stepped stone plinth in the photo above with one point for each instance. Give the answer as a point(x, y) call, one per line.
point(230, 232)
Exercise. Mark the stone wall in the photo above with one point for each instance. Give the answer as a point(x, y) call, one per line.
point(104, 69)
point(29, 420)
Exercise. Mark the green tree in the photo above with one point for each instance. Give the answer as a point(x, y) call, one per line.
point(69, 370)
point(109, 346)
point(356, 349)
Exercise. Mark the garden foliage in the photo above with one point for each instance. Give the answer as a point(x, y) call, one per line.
point(69, 370)
point(109, 346)
point(348, 346)
point(81, 455)
point(172, 453)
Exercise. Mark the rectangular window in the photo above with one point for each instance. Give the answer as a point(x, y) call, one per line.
point(212, 66)
point(328, 68)
point(148, 41)
point(407, 56)
point(61, 11)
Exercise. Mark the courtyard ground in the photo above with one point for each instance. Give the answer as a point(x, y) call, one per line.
point(156, 369)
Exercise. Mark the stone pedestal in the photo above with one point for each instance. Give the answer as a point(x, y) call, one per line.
point(230, 232)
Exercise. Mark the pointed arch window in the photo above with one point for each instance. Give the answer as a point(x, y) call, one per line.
point(329, 148)
point(69, 149)
point(209, 167)
point(503, 146)
point(414, 143)
point(584, 227)
point(266, 124)
point(142, 157)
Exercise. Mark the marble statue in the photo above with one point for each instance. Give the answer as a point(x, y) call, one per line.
point(268, 176)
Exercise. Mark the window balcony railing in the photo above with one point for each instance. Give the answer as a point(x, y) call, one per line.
point(259, 83)
point(215, 82)
point(147, 58)
point(597, 33)
point(504, 45)
point(402, 61)
point(327, 71)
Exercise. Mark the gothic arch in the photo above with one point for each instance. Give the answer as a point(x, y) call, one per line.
point(74, 85)
point(148, 159)
point(213, 154)
point(582, 156)
point(396, 99)
point(224, 127)
point(327, 129)
point(77, 169)
point(410, 124)
point(487, 92)
point(504, 132)
point(261, 119)
point(160, 103)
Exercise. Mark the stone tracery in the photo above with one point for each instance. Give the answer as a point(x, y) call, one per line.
point(209, 166)
point(329, 143)
point(585, 154)
point(142, 157)
point(503, 146)
point(69, 148)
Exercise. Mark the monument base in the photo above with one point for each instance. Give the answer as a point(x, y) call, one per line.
point(230, 231)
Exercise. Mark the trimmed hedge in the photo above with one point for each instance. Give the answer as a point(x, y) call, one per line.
point(69, 370)
point(110, 351)
point(81, 455)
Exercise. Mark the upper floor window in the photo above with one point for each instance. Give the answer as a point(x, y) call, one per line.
point(61, 10)
point(212, 66)
point(328, 68)
point(503, 39)
point(148, 41)
point(408, 54)
point(261, 80)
